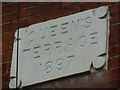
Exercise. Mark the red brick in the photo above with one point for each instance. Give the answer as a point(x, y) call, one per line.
point(0, 47)
point(0, 68)
point(114, 40)
point(73, 81)
point(23, 13)
point(8, 66)
point(104, 3)
point(0, 78)
point(36, 19)
point(115, 30)
point(23, 5)
point(8, 37)
point(115, 19)
point(4, 3)
point(22, 23)
point(107, 84)
point(44, 8)
point(62, 83)
point(14, 16)
point(5, 77)
point(62, 12)
point(9, 17)
point(4, 67)
point(91, 5)
point(5, 86)
point(34, 3)
point(15, 25)
point(6, 57)
point(114, 9)
point(114, 62)
point(11, 45)
point(111, 74)
point(104, 76)
point(5, 47)
point(66, 4)
point(78, 81)
point(96, 77)
point(7, 27)
point(9, 8)
point(0, 86)
point(114, 51)
point(119, 50)
point(107, 79)
point(43, 85)
point(110, 84)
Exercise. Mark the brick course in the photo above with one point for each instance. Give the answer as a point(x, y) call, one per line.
point(36, 12)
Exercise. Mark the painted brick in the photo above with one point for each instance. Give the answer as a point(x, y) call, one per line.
point(44, 8)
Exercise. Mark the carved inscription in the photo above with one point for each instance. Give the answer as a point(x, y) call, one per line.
point(61, 47)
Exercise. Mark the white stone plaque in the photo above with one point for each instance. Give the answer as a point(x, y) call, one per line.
point(61, 47)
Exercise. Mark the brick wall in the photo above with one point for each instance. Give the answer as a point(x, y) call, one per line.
point(31, 13)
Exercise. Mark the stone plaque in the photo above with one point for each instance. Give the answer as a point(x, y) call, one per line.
point(61, 47)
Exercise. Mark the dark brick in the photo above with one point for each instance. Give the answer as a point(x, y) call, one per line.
point(44, 8)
